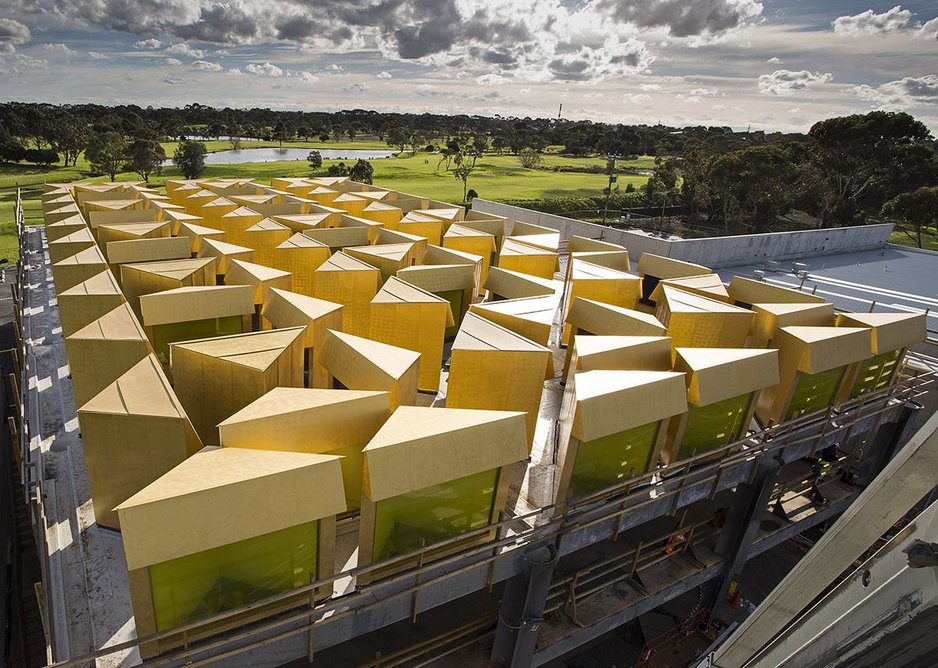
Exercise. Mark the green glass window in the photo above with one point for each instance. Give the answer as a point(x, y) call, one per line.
point(876, 373)
point(225, 577)
point(713, 426)
point(455, 299)
point(814, 392)
point(433, 514)
point(605, 461)
point(174, 332)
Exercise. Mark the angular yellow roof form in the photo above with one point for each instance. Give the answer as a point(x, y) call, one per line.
point(196, 233)
point(306, 221)
point(345, 280)
point(78, 268)
point(609, 402)
point(236, 222)
point(468, 240)
point(700, 322)
point(625, 353)
point(264, 237)
point(708, 285)
point(146, 277)
point(420, 447)
point(601, 284)
point(578, 244)
point(605, 319)
point(405, 316)
point(816, 349)
point(805, 356)
point(715, 374)
point(260, 491)
point(88, 301)
point(67, 246)
point(746, 292)
point(525, 259)
point(362, 364)
point(288, 309)
point(771, 317)
point(126, 232)
point(196, 302)
point(618, 260)
point(495, 369)
point(318, 421)
point(665, 267)
point(423, 226)
point(531, 317)
point(214, 378)
point(387, 258)
point(133, 431)
point(146, 250)
point(506, 284)
point(262, 278)
point(223, 253)
point(103, 350)
point(64, 227)
point(549, 241)
point(300, 256)
point(339, 237)
point(890, 331)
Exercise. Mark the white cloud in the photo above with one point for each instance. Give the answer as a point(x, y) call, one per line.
point(649, 87)
point(635, 98)
point(774, 61)
point(695, 95)
point(335, 68)
point(492, 80)
point(95, 55)
point(929, 29)
point(172, 61)
point(871, 23)
point(183, 49)
point(384, 74)
point(206, 66)
point(905, 93)
point(12, 34)
point(150, 44)
point(235, 70)
point(309, 77)
point(686, 18)
point(787, 82)
point(356, 87)
point(58, 47)
point(265, 68)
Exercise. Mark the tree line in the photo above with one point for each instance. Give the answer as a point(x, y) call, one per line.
point(844, 171)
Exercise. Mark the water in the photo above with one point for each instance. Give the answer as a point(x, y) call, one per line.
point(277, 154)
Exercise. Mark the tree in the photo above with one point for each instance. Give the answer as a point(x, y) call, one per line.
point(280, 133)
point(70, 135)
point(461, 171)
point(145, 156)
point(106, 152)
point(189, 157)
point(362, 171)
point(338, 169)
point(914, 212)
point(314, 159)
point(530, 159)
point(855, 155)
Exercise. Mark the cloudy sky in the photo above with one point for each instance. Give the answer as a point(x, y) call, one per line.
point(776, 64)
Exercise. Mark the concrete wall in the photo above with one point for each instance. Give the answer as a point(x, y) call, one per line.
point(712, 252)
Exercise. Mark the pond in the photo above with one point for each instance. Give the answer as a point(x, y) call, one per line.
point(277, 154)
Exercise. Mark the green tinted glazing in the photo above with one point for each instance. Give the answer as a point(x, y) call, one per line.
point(202, 584)
point(605, 461)
point(455, 299)
point(433, 514)
point(814, 392)
point(876, 373)
point(713, 426)
point(175, 332)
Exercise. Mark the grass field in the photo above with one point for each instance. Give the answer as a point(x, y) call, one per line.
point(494, 177)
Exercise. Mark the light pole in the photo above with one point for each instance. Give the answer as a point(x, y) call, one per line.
point(611, 168)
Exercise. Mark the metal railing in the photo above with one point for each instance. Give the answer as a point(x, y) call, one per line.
point(257, 628)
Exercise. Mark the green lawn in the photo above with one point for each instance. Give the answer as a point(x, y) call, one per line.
point(929, 240)
point(495, 177)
